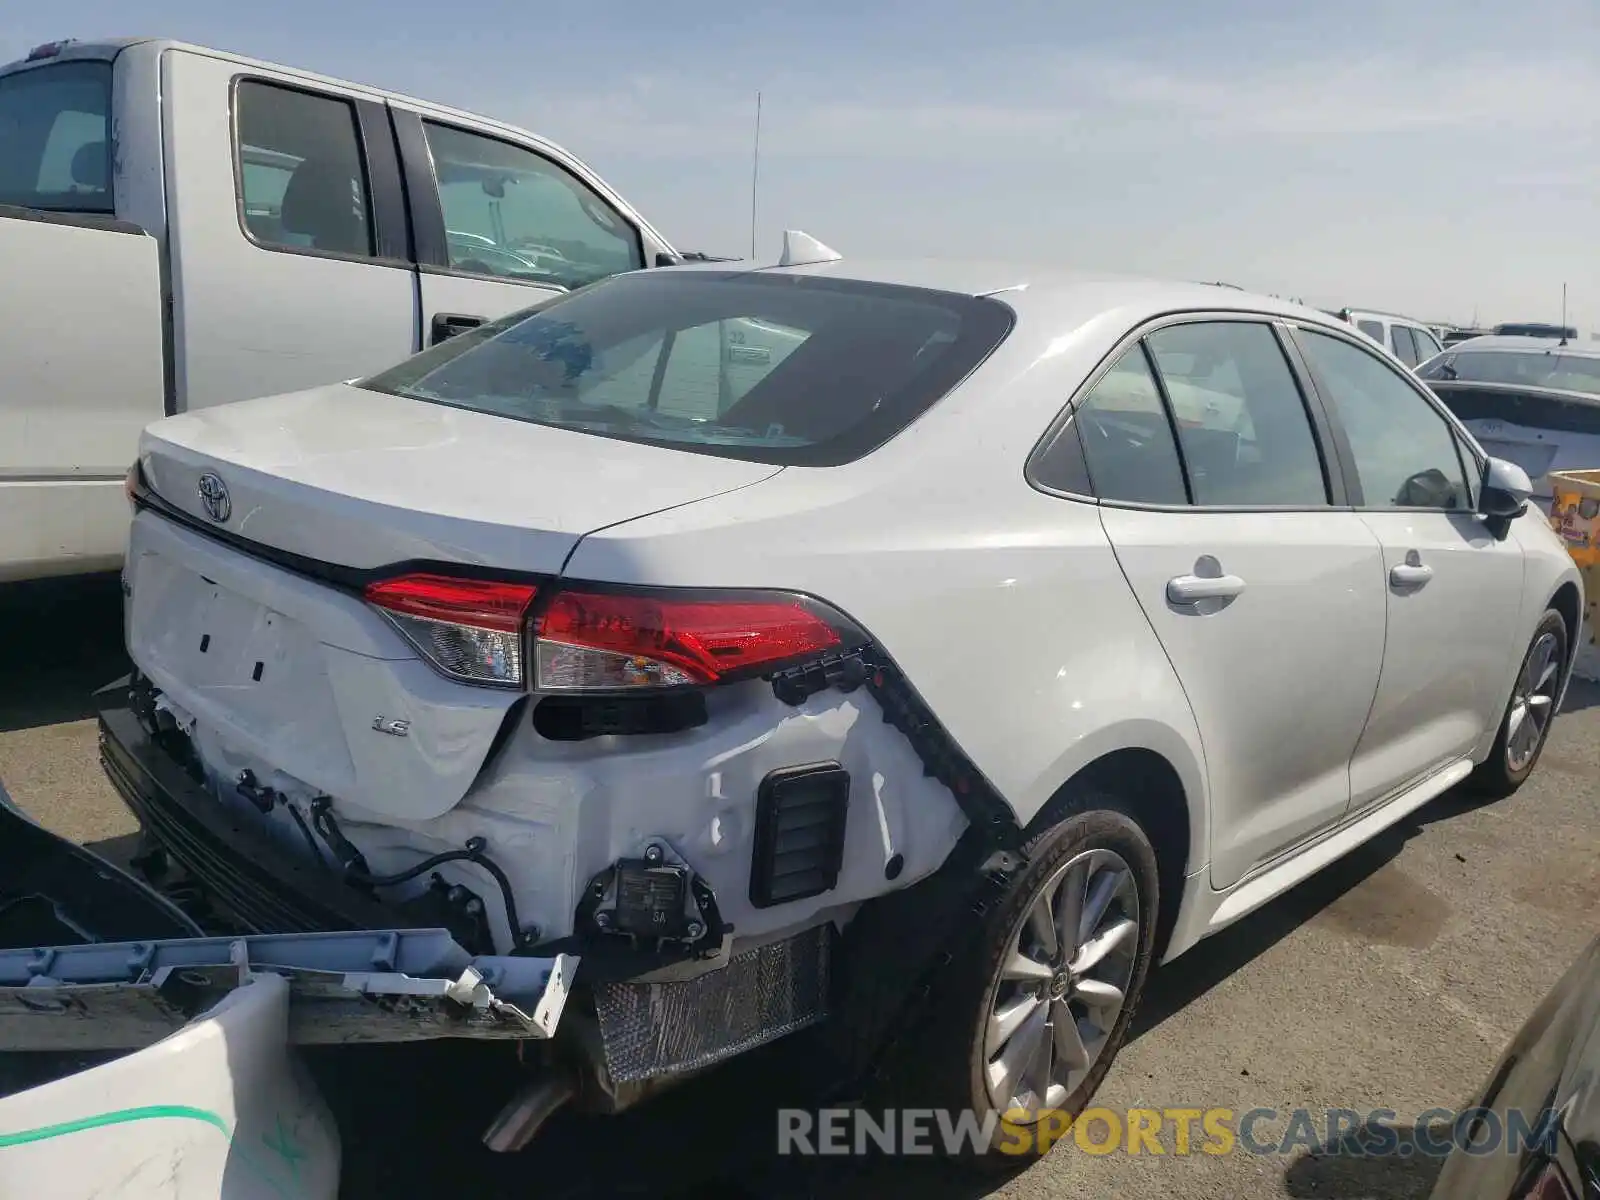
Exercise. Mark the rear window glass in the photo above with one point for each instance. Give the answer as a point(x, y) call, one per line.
point(1532, 368)
point(783, 369)
point(54, 150)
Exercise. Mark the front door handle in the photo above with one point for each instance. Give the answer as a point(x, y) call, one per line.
point(447, 325)
point(1409, 574)
point(1191, 589)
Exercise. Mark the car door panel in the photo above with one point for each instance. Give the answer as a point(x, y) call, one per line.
point(282, 234)
point(1440, 689)
point(1272, 620)
point(1453, 591)
point(1280, 676)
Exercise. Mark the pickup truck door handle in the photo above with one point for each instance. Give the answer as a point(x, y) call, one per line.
point(1191, 589)
point(447, 325)
point(1409, 575)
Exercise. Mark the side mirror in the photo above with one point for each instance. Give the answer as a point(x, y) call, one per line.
point(1504, 495)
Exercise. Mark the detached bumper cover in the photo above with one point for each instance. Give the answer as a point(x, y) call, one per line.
point(380, 986)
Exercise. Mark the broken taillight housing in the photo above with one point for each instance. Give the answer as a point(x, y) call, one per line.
point(468, 629)
point(625, 641)
point(605, 641)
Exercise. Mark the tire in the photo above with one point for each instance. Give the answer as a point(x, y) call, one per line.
point(1516, 750)
point(1090, 842)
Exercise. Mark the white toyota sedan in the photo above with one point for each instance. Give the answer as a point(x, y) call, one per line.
point(920, 651)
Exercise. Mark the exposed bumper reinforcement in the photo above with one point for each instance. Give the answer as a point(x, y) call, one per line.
point(244, 873)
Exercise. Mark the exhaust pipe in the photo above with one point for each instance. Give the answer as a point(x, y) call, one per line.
point(526, 1112)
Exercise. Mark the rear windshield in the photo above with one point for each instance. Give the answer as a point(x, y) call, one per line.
point(1524, 368)
point(54, 149)
point(782, 369)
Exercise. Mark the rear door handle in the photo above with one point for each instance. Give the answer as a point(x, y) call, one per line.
point(447, 325)
point(1410, 575)
point(1191, 589)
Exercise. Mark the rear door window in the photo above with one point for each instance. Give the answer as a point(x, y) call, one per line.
point(510, 213)
point(772, 368)
point(302, 177)
point(1242, 422)
point(1373, 329)
point(55, 149)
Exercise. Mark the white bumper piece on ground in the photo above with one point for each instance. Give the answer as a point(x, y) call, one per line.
point(218, 1106)
point(218, 1111)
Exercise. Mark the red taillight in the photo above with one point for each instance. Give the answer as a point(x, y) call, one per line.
point(475, 630)
point(586, 641)
point(1550, 1184)
point(470, 629)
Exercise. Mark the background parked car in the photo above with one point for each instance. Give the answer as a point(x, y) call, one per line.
point(1532, 401)
point(1536, 329)
point(1551, 1066)
point(1409, 340)
point(258, 229)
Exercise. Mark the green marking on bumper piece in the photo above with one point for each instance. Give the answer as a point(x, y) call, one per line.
point(121, 1116)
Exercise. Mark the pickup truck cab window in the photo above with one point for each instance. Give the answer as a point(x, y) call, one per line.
point(511, 213)
point(302, 181)
point(54, 144)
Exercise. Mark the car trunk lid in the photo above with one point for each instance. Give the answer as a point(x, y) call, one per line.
point(365, 479)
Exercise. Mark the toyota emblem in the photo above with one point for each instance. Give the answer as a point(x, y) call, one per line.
point(214, 497)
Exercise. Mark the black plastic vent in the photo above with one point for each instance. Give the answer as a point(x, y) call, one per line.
point(799, 836)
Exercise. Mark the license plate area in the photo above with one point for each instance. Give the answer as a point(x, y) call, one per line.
point(226, 655)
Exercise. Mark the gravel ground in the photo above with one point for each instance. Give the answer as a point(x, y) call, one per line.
point(1390, 981)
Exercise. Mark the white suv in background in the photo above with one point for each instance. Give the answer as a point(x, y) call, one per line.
point(1410, 341)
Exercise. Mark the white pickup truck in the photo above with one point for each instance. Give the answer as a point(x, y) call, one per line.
point(182, 227)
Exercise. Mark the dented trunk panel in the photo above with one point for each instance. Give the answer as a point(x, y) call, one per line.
point(296, 673)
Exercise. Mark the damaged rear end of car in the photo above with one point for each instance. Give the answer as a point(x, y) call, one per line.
point(369, 692)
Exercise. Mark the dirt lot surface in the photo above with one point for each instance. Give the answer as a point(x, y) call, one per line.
point(1391, 981)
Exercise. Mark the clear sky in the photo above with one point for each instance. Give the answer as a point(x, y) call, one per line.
point(1437, 157)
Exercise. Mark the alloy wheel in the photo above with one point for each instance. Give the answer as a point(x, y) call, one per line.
point(1063, 983)
point(1533, 702)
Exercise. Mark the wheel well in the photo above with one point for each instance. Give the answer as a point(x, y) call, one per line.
point(1154, 795)
point(1565, 602)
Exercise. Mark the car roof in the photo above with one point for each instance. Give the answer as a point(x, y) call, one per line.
point(1504, 343)
point(1056, 294)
